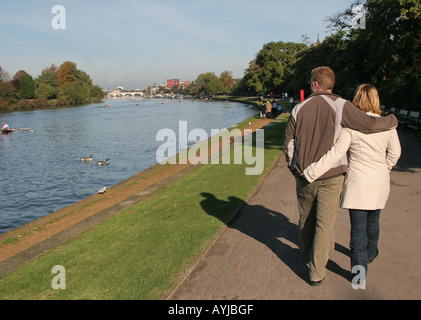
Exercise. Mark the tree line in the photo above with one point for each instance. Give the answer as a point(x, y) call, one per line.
point(64, 85)
point(385, 53)
point(209, 84)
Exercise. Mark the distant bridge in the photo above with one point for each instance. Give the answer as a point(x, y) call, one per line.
point(125, 94)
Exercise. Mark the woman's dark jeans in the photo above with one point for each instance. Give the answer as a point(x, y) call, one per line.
point(365, 231)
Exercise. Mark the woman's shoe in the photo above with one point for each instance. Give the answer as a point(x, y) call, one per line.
point(316, 283)
point(370, 260)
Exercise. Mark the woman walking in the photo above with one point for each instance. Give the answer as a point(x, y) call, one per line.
point(367, 184)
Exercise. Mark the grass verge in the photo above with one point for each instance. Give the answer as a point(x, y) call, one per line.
point(140, 252)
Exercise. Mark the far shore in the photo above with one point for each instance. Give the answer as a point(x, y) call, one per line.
point(32, 104)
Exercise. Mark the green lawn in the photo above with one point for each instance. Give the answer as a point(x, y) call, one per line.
point(141, 252)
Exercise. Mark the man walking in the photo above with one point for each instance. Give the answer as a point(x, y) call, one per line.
point(311, 131)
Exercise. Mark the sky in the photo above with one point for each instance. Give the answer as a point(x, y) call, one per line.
point(135, 43)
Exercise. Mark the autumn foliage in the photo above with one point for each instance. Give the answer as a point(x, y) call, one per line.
point(66, 85)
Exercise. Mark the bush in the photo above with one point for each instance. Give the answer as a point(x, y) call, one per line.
point(41, 103)
point(7, 91)
point(23, 104)
point(4, 104)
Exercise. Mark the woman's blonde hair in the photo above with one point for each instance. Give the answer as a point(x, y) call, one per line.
point(367, 99)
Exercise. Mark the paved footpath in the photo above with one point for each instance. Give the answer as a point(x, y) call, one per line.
point(256, 256)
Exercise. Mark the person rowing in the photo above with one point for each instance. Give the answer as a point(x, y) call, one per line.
point(5, 126)
point(6, 129)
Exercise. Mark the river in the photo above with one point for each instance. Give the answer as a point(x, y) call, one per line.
point(41, 170)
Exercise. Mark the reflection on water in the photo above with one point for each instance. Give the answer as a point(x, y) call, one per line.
point(41, 171)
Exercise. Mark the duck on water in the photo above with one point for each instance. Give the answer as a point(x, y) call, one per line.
point(103, 162)
point(87, 159)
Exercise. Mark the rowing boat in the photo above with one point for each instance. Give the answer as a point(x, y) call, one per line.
point(7, 131)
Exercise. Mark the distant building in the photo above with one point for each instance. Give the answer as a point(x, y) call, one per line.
point(317, 42)
point(173, 83)
point(154, 88)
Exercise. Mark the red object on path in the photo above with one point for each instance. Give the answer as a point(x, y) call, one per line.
point(302, 95)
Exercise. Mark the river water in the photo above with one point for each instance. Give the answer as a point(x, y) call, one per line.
point(41, 170)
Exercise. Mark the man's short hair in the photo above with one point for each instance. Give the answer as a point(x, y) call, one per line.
point(324, 76)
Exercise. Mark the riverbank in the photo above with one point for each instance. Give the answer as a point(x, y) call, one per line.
point(21, 238)
point(143, 186)
point(254, 101)
point(42, 104)
point(43, 168)
point(37, 104)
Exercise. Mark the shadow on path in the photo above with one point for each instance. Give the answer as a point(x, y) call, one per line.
point(410, 160)
point(271, 228)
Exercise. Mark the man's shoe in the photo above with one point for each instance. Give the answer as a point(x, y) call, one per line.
point(370, 260)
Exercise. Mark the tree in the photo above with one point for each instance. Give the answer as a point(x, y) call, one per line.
point(227, 80)
point(74, 85)
point(24, 84)
point(207, 84)
point(276, 60)
point(388, 51)
point(251, 80)
point(331, 52)
point(7, 91)
point(68, 84)
point(4, 76)
point(271, 68)
point(45, 91)
point(84, 84)
point(66, 73)
point(19, 74)
point(15, 81)
point(411, 9)
point(97, 92)
point(46, 85)
point(68, 94)
point(27, 89)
